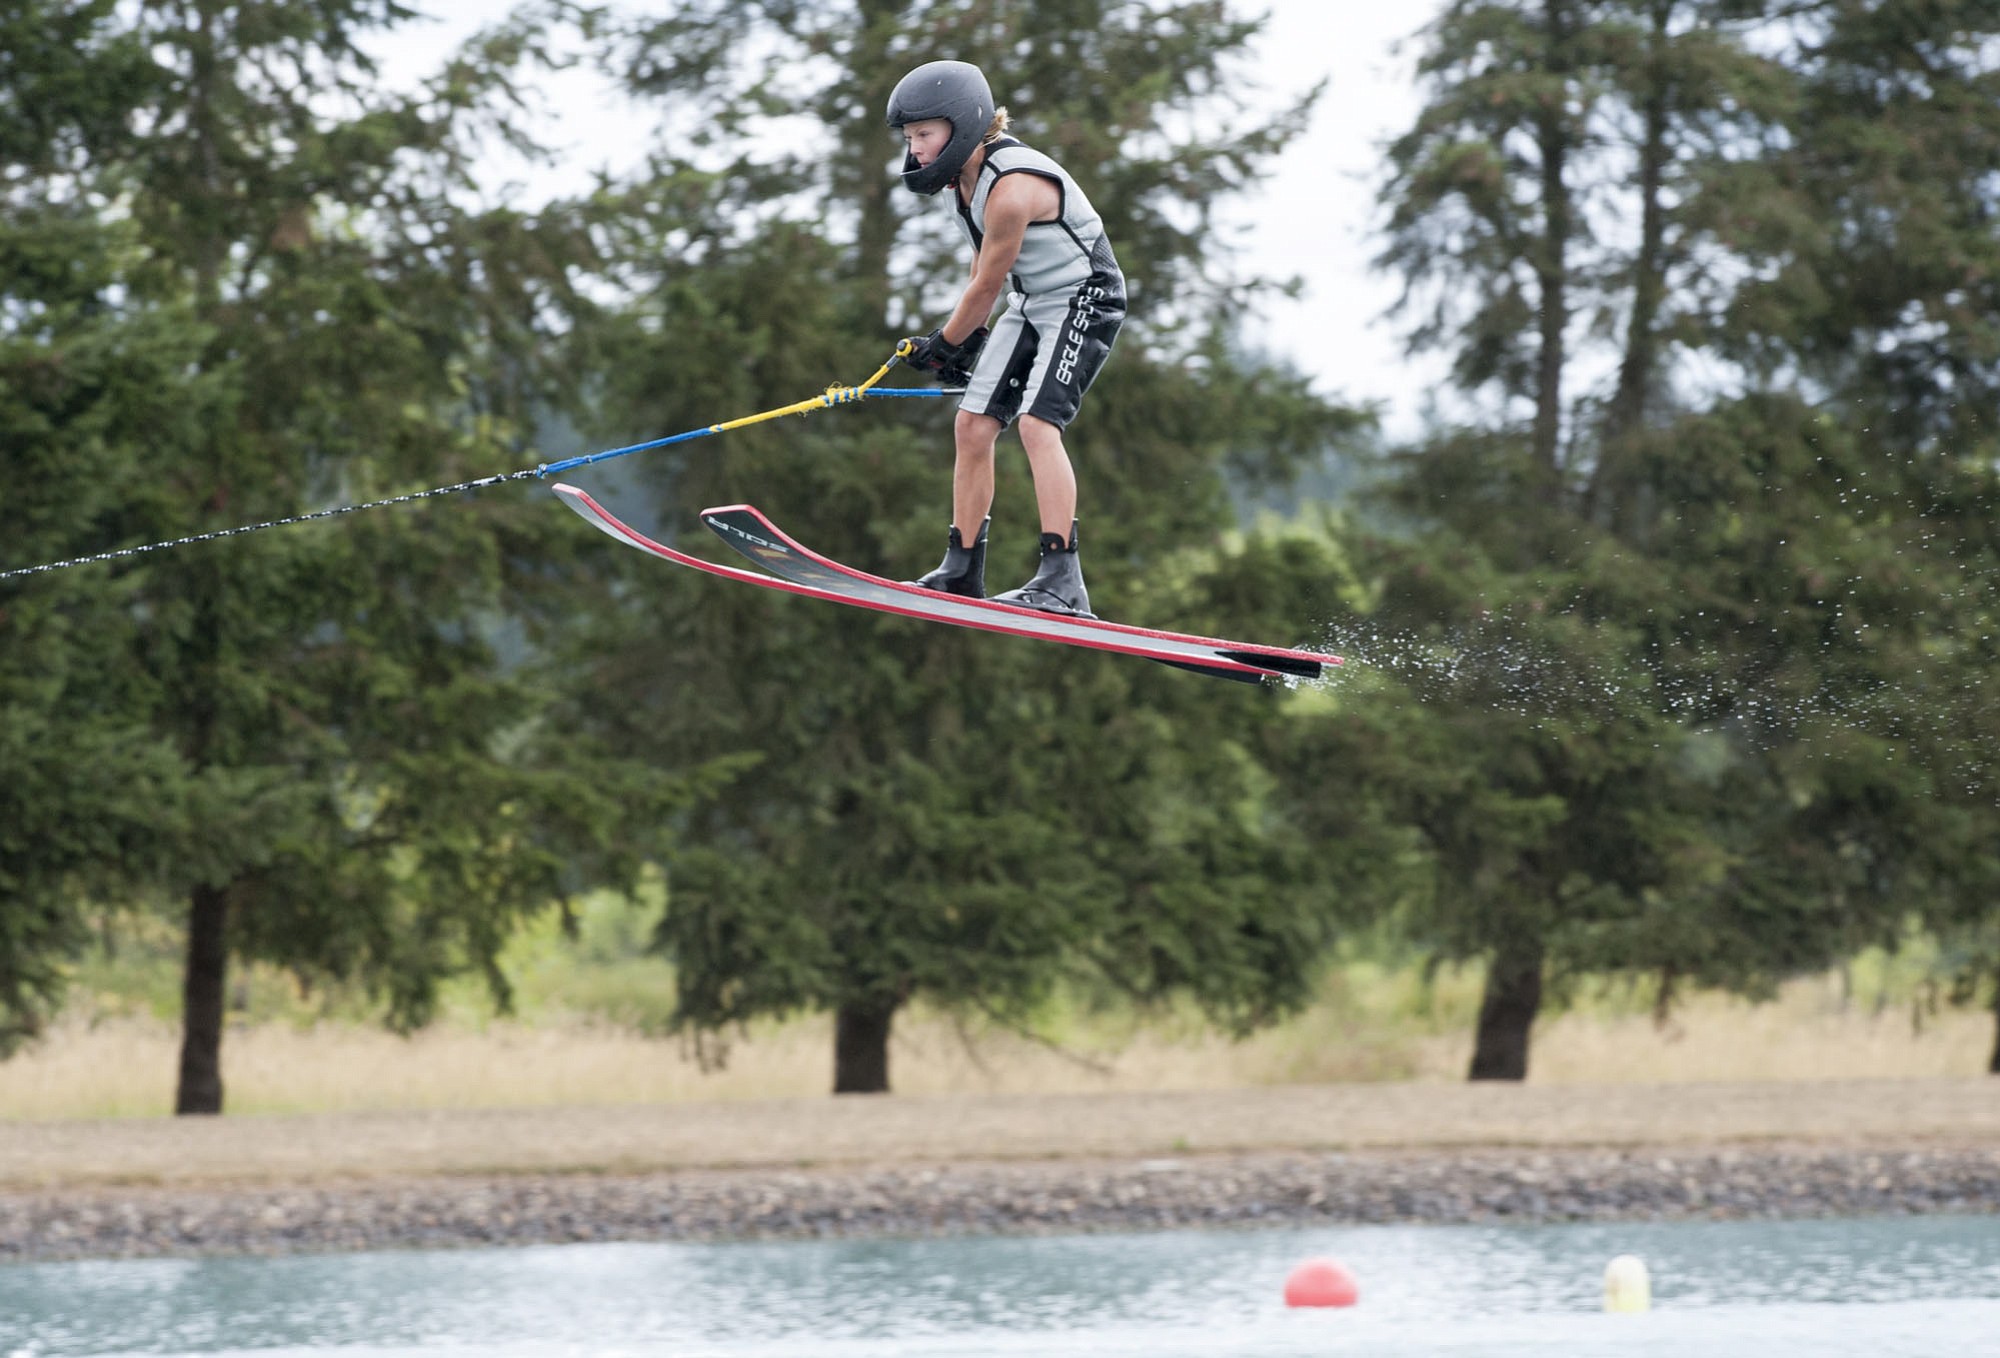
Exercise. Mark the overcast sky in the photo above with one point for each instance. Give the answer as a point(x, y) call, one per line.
point(1317, 213)
point(1314, 217)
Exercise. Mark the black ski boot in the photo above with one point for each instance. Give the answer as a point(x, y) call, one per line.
point(963, 571)
point(1058, 583)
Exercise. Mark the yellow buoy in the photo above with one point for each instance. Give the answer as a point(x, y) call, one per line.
point(1626, 1286)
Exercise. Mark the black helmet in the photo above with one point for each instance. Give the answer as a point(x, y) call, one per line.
point(955, 91)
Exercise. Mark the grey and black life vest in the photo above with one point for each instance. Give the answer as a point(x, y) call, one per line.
point(1056, 256)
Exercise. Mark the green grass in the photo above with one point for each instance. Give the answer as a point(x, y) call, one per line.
point(596, 969)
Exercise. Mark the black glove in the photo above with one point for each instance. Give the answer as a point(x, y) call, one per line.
point(950, 363)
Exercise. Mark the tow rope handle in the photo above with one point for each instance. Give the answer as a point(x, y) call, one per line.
point(832, 396)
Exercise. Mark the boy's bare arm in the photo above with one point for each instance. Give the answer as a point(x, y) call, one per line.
point(1013, 202)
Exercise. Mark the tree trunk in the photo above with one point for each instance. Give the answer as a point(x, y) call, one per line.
point(861, 1047)
point(1552, 135)
point(1615, 494)
point(1993, 1066)
point(1649, 284)
point(1507, 1011)
point(203, 996)
point(872, 185)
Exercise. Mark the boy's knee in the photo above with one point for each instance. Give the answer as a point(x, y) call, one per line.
point(1040, 433)
point(976, 433)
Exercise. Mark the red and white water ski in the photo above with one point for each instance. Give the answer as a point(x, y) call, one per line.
point(798, 570)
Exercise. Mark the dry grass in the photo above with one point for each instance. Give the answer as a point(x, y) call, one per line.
point(1798, 1040)
point(125, 1067)
point(1898, 1117)
point(1380, 1071)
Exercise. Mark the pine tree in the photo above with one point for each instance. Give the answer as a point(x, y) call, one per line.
point(1877, 282)
point(307, 314)
point(936, 815)
point(1690, 538)
point(87, 788)
point(1507, 772)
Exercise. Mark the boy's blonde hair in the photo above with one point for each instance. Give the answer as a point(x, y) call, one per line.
point(997, 129)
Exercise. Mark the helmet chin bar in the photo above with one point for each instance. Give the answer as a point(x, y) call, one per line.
point(928, 179)
point(955, 91)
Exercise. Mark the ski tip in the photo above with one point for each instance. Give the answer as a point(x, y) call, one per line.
point(1289, 666)
point(581, 504)
point(594, 514)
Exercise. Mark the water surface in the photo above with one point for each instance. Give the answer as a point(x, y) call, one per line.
point(1758, 1289)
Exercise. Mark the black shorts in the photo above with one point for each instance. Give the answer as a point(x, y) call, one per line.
point(1022, 370)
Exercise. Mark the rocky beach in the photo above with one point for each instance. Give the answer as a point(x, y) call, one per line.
point(998, 1198)
point(998, 1165)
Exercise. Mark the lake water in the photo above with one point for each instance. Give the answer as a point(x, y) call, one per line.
point(1916, 1286)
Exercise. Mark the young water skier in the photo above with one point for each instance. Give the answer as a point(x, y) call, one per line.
point(1034, 235)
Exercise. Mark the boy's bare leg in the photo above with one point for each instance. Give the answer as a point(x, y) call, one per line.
point(1057, 586)
point(1055, 478)
point(972, 473)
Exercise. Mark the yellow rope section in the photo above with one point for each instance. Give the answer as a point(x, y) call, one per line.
point(832, 396)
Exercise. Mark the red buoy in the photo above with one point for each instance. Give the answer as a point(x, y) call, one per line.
point(1321, 1282)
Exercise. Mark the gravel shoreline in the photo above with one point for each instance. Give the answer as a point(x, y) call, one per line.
point(999, 1198)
